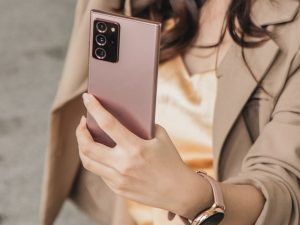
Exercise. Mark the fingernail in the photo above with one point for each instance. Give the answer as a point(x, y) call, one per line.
point(82, 119)
point(86, 98)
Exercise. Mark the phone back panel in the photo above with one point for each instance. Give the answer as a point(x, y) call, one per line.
point(127, 88)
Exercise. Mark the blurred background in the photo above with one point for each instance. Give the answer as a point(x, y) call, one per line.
point(34, 36)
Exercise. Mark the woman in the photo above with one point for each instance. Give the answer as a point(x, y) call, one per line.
point(241, 68)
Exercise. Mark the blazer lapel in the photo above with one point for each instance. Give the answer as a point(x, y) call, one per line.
point(236, 83)
point(235, 86)
point(268, 12)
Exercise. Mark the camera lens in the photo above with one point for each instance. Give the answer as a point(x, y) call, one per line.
point(100, 53)
point(101, 39)
point(101, 27)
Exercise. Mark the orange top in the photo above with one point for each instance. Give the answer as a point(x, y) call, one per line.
point(184, 107)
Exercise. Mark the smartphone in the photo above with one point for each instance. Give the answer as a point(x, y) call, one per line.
point(123, 65)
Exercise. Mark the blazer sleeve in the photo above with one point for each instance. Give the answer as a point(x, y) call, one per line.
point(273, 162)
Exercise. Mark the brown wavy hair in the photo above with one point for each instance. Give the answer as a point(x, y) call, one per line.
point(186, 14)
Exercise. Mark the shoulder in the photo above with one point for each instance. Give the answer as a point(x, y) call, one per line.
point(286, 32)
point(282, 19)
point(287, 37)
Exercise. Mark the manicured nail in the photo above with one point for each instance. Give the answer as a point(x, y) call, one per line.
point(82, 119)
point(86, 98)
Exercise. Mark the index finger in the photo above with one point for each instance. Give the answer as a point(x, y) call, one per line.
point(106, 121)
point(96, 151)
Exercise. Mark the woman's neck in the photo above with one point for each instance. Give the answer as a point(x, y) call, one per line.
point(211, 21)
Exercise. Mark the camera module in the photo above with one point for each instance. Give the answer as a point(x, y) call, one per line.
point(105, 43)
point(100, 53)
point(101, 39)
point(101, 27)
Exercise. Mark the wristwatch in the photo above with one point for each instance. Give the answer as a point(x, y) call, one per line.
point(215, 214)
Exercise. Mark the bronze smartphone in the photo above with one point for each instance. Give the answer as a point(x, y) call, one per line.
point(123, 64)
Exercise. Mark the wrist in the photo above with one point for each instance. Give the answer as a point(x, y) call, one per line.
point(195, 195)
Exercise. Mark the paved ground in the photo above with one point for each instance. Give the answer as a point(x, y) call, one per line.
point(33, 40)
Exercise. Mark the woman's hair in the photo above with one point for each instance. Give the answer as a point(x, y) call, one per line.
point(185, 14)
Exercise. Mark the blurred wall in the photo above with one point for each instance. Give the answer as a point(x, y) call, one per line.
point(33, 40)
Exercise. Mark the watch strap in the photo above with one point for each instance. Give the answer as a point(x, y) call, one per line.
point(217, 192)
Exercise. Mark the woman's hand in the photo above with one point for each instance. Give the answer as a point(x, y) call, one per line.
point(147, 171)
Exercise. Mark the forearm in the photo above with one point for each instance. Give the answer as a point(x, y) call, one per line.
point(244, 203)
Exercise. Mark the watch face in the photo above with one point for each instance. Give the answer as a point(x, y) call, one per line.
point(214, 219)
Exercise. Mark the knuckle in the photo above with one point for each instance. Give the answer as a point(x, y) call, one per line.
point(160, 129)
point(131, 165)
point(122, 184)
point(137, 153)
point(118, 191)
point(78, 132)
point(126, 169)
point(160, 132)
point(86, 164)
point(86, 148)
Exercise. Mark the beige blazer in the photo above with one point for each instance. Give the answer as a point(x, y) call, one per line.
point(256, 137)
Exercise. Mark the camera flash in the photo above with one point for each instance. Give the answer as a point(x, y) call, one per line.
point(113, 29)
